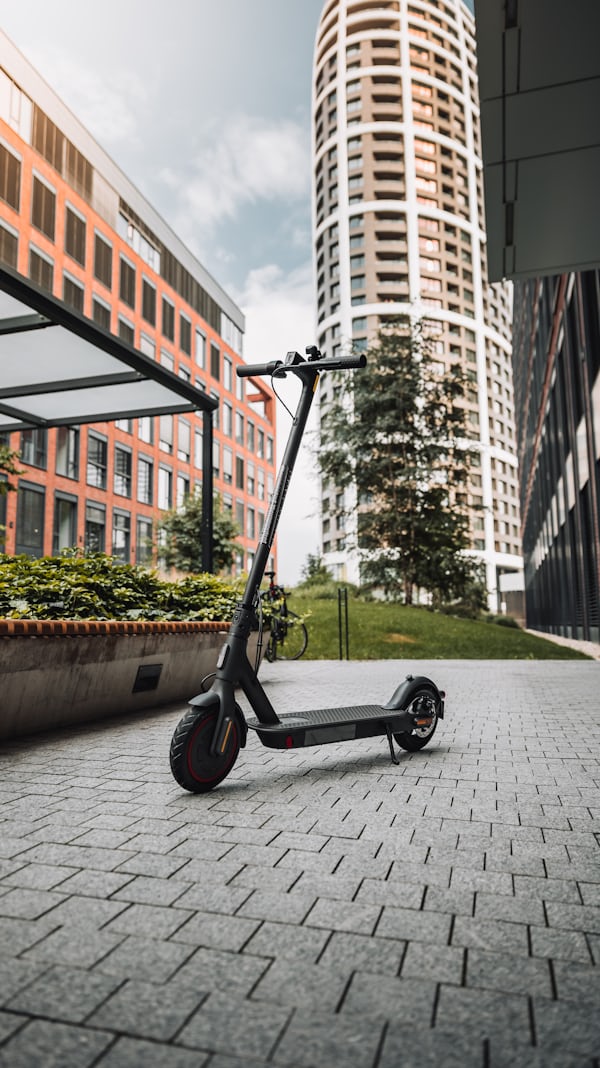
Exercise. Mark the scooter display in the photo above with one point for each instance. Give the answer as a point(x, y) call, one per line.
point(208, 738)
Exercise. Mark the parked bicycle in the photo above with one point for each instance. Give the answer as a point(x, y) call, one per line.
point(288, 635)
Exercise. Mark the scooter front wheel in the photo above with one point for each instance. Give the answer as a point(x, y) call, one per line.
point(424, 704)
point(193, 765)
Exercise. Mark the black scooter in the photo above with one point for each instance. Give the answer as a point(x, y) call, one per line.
point(207, 739)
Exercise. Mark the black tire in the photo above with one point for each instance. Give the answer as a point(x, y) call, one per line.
point(291, 637)
point(425, 701)
point(192, 764)
point(271, 649)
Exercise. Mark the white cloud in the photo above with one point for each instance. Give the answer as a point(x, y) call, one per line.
point(107, 104)
point(244, 160)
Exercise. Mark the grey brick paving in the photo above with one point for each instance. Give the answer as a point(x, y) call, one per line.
point(321, 907)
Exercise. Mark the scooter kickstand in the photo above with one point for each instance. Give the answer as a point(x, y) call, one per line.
point(388, 731)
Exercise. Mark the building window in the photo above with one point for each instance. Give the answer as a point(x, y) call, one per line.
point(250, 436)
point(30, 520)
point(122, 472)
point(165, 488)
point(227, 373)
point(10, 178)
point(182, 491)
point(43, 208)
point(9, 247)
point(102, 261)
point(75, 236)
point(126, 331)
point(200, 348)
point(165, 433)
point(227, 466)
point(198, 447)
point(227, 419)
point(168, 319)
point(65, 523)
point(124, 424)
point(250, 523)
point(215, 362)
point(251, 480)
point(96, 460)
point(239, 428)
point(73, 293)
point(260, 445)
point(185, 335)
point(146, 429)
point(240, 515)
point(101, 313)
point(145, 481)
point(95, 528)
point(41, 270)
point(216, 459)
point(34, 447)
point(67, 451)
point(121, 536)
point(143, 542)
point(127, 282)
point(239, 472)
point(184, 441)
point(148, 302)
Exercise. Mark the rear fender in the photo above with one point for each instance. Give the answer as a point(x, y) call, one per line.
point(405, 692)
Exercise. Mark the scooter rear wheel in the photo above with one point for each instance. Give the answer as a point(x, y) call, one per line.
point(424, 703)
point(193, 765)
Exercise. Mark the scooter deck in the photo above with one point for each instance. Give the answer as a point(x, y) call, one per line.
point(322, 725)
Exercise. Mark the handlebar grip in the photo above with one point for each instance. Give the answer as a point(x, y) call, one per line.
point(339, 363)
point(246, 370)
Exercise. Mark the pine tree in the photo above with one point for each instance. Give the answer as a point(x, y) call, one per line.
point(397, 432)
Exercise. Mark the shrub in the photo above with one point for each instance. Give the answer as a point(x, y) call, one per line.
point(503, 621)
point(96, 586)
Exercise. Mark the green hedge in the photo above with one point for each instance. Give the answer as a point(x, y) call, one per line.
point(96, 586)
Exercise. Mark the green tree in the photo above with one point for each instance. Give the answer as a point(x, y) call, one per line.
point(8, 467)
point(314, 571)
point(180, 536)
point(396, 431)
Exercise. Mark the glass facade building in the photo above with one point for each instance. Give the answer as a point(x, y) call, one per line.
point(557, 397)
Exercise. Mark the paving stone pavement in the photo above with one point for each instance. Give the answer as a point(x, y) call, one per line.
point(321, 907)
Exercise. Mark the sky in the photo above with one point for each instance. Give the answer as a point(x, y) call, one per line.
point(205, 106)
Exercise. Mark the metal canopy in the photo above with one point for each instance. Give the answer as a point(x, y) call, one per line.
point(58, 368)
point(539, 83)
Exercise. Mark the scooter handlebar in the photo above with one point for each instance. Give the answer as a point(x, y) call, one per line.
point(273, 367)
point(245, 370)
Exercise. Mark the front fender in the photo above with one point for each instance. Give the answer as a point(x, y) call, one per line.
point(211, 700)
point(405, 692)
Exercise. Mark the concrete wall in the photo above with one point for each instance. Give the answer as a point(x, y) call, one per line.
point(54, 680)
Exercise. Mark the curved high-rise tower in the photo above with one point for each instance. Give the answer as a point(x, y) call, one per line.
point(399, 229)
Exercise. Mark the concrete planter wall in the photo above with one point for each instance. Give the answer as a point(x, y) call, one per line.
point(60, 673)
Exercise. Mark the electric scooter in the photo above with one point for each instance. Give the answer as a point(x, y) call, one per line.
point(207, 740)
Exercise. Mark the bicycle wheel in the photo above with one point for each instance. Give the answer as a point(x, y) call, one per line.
point(291, 637)
point(271, 650)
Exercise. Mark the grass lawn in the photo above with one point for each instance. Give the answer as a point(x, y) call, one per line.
point(383, 631)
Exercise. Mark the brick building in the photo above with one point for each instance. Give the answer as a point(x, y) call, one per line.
point(73, 223)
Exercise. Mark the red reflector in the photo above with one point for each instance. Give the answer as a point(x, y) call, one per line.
point(289, 742)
